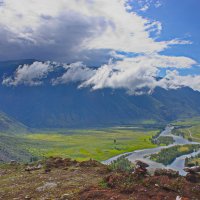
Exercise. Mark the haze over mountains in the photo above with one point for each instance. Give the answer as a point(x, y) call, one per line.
point(64, 105)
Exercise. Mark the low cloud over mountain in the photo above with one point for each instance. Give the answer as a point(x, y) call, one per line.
point(132, 74)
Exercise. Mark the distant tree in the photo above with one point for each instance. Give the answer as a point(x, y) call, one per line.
point(190, 139)
point(34, 159)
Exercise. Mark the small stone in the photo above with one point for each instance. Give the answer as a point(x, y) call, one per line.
point(65, 197)
point(13, 162)
point(166, 172)
point(47, 186)
point(178, 198)
point(47, 170)
point(194, 178)
point(39, 166)
point(141, 164)
point(27, 197)
point(156, 185)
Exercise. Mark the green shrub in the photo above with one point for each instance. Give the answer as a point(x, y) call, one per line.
point(121, 164)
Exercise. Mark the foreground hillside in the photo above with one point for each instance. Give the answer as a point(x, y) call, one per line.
point(48, 106)
point(64, 179)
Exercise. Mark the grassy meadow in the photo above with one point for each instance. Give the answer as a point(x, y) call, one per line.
point(189, 128)
point(86, 144)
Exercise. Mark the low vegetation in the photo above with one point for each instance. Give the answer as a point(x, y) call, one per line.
point(11, 148)
point(188, 128)
point(86, 144)
point(78, 144)
point(188, 122)
point(164, 140)
point(193, 161)
point(61, 179)
point(168, 155)
point(121, 164)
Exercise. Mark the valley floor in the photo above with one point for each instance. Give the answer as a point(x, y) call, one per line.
point(99, 144)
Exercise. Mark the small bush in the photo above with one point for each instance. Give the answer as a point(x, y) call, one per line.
point(103, 184)
point(121, 164)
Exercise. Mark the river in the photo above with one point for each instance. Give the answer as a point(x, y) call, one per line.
point(144, 154)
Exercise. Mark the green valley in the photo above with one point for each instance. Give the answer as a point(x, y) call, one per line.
point(99, 144)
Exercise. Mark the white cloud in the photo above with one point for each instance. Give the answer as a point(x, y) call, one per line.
point(75, 72)
point(29, 74)
point(67, 29)
point(136, 73)
point(144, 8)
point(173, 80)
point(147, 4)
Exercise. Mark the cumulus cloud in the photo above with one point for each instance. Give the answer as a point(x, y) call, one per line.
point(147, 4)
point(69, 30)
point(173, 80)
point(31, 75)
point(45, 29)
point(137, 75)
point(75, 72)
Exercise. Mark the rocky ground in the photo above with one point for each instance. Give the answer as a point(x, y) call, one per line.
point(64, 179)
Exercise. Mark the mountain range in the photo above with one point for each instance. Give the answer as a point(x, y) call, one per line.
point(62, 106)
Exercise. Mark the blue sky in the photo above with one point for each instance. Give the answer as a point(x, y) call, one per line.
point(180, 19)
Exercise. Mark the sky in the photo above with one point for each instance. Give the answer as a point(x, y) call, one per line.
point(128, 43)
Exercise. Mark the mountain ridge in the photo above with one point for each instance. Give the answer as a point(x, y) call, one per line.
point(63, 106)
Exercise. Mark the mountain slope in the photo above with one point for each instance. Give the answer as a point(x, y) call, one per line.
point(10, 144)
point(66, 106)
point(9, 125)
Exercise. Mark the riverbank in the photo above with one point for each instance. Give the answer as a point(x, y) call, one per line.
point(144, 155)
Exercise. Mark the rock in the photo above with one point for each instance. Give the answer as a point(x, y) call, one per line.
point(141, 164)
point(57, 162)
point(27, 197)
point(13, 162)
point(90, 163)
point(166, 172)
point(140, 169)
point(193, 177)
point(33, 168)
point(39, 166)
point(192, 170)
point(47, 186)
point(47, 170)
point(65, 197)
point(181, 198)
